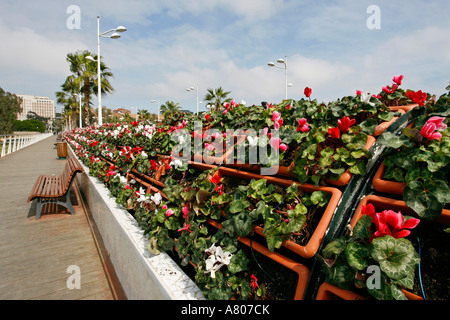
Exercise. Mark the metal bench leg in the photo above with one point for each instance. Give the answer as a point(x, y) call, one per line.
point(39, 205)
point(66, 203)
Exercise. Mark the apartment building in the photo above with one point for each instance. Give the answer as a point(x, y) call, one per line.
point(42, 106)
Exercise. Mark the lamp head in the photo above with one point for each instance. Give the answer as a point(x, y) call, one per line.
point(115, 35)
point(121, 29)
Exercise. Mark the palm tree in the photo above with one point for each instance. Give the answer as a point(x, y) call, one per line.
point(143, 114)
point(85, 73)
point(217, 97)
point(66, 97)
point(169, 108)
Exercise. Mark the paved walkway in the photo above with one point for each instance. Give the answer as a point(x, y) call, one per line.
point(35, 254)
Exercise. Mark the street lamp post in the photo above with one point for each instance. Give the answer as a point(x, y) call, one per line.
point(153, 101)
point(196, 90)
point(115, 35)
point(284, 63)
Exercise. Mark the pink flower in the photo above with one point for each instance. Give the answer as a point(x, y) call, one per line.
point(398, 80)
point(390, 91)
point(439, 122)
point(216, 135)
point(185, 228)
point(303, 125)
point(209, 146)
point(169, 212)
point(185, 211)
point(276, 118)
point(277, 145)
point(428, 131)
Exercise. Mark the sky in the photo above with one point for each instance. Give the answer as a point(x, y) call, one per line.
point(334, 47)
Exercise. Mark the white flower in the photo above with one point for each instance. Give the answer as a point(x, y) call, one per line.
point(156, 198)
point(142, 197)
point(216, 260)
point(144, 154)
point(253, 141)
point(122, 179)
point(365, 97)
point(176, 163)
point(181, 140)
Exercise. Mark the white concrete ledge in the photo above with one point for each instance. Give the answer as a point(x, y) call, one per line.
point(143, 276)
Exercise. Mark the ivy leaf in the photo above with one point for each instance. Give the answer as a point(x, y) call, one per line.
point(396, 257)
point(238, 205)
point(427, 198)
point(357, 255)
point(391, 140)
point(238, 262)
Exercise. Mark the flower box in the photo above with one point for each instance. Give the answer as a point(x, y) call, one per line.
point(310, 249)
point(397, 188)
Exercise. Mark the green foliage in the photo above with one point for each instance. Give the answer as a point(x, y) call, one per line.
point(29, 125)
point(9, 109)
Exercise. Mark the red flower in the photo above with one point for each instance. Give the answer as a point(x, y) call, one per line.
point(207, 117)
point(389, 223)
point(345, 123)
point(334, 133)
point(392, 90)
point(216, 177)
point(253, 282)
point(303, 125)
point(308, 92)
point(398, 80)
point(428, 131)
point(418, 97)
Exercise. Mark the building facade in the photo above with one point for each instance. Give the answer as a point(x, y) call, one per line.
point(42, 106)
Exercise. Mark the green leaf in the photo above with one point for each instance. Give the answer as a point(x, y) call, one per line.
point(396, 257)
point(238, 205)
point(361, 229)
point(357, 255)
point(239, 224)
point(391, 140)
point(427, 198)
point(334, 248)
point(238, 262)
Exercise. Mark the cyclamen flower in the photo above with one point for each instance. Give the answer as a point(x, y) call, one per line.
point(169, 212)
point(253, 282)
point(216, 177)
point(303, 125)
point(209, 146)
point(390, 91)
point(156, 198)
point(252, 141)
point(418, 97)
point(276, 144)
point(334, 133)
point(344, 124)
point(429, 131)
point(439, 122)
point(185, 211)
point(398, 80)
point(365, 97)
point(217, 259)
point(307, 92)
point(278, 121)
point(185, 227)
point(389, 223)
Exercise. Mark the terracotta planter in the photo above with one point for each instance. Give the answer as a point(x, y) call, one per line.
point(382, 203)
point(300, 269)
point(383, 126)
point(327, 291)
point(404, 108)
point(343, 180)
point(310, 249)
point(397, 188)
point(220, 159)
point(346, 176)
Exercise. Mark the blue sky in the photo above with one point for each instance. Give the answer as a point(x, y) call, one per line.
point(174, 44)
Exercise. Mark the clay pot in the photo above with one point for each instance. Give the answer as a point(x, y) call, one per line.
point(327, 291)
point(310, 249)
point(404, 108)
point(397, 188)
point(300, 269)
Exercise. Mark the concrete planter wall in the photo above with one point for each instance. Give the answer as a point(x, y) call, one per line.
point(142, 274)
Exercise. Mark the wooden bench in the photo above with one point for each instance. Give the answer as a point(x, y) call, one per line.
point(55, 189)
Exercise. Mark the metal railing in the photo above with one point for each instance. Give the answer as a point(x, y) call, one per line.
point(13, 142)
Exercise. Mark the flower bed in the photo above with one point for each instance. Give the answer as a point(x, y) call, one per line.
point(179, 202)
